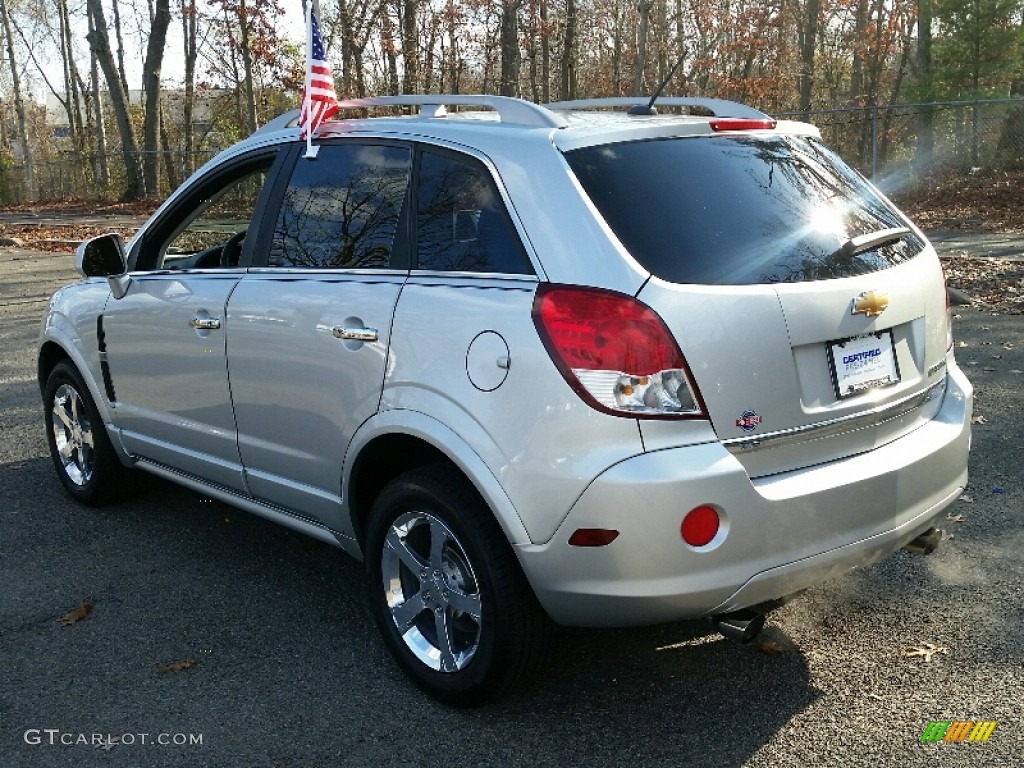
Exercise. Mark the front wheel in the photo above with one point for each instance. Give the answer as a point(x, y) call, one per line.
point(446, 591)
point(81, 451)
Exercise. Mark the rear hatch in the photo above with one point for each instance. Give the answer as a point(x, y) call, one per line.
point(811, 313)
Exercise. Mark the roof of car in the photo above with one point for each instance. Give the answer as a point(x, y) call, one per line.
point(567, 124)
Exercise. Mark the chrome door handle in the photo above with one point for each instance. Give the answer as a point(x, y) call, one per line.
point(205, 323)
point(354, 334)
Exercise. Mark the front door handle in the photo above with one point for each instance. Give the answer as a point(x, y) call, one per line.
point(354, 334)
point(205, 323)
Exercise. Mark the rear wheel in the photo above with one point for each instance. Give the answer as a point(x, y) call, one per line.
point(446, 591)
point(81, 451)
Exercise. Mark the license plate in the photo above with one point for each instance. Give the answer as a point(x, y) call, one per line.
point(863, 362)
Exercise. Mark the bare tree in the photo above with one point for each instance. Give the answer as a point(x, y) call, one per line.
point(511, 56)
point(151, 85)
point(19, 103)
point(100, 44)
point(569, 52)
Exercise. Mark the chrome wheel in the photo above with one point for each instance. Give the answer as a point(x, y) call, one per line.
point(431, 591)
point(72, 435)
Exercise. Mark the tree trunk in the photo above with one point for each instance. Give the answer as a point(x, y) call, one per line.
point(170, 167)
point(151, 85)
point(250, 91)
point(102, 168)
point(858, 43)
point(19, 104)
point(807, 48)
point(120, 45)
point(569, 51)
point(545, 54)
point(410, 46)
point(644, 7)
point(926, 118)
point(100, 44)
point(511, 56)
point(190, 51)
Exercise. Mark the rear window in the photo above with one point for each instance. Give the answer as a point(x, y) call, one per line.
point(734, 210)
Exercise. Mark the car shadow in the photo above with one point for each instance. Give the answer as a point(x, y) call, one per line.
point(288, 666)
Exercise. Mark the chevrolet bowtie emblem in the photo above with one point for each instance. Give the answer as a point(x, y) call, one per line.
point(870, 303)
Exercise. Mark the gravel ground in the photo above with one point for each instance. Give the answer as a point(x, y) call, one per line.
point(289, 672)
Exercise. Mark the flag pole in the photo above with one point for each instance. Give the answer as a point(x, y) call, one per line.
point(307, 100)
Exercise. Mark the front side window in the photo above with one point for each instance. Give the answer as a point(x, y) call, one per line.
point(207, 228)
point(461, 222)
point(342, 209)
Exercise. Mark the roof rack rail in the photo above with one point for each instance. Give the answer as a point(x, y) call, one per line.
point(288, 119)
point(510, 110)
point(717, 107)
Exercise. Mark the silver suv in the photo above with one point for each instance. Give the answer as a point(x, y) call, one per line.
point(529, 363)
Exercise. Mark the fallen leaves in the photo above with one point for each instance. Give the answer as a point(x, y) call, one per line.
point(84, 609)
point(967, 499)
point(771, 647)
point(979, 419)
point(987, 201)
point(996, 283)
point(955, 518)
point(925, 650)
point(176, 666)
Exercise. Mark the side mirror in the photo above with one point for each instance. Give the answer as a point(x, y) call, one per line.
point(104, 256)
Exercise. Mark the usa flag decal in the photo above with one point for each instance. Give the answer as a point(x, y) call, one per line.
point(748, 421)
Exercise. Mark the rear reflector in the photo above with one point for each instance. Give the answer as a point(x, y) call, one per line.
point(700, 526)
point(615, 351)
point(742, 124)
point(592, 537)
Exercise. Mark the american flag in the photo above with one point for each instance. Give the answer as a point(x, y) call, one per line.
point(319, 101)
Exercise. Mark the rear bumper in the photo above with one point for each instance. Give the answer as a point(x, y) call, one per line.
point(779, 534)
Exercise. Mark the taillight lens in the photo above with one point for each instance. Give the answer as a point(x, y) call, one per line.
point(616, 352)
point(741, 124)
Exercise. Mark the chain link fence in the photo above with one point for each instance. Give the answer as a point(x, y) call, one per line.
point(72, 175)
point(880, 140)
point(885, 142)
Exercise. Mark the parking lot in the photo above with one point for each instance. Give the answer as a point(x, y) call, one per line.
point(287, 670)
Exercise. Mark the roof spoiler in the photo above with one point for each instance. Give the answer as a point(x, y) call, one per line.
point(717, 107)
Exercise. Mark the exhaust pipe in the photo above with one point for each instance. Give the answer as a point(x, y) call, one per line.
point(924, 544)
point(741, 626)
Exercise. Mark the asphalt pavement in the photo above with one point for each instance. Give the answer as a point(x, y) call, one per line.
point(289, 672)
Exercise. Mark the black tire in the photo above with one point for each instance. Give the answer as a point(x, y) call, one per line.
point(86, 462)
point(475, 569)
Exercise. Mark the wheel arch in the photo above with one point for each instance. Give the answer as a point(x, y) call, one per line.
point(397, 441)
point(51, 353)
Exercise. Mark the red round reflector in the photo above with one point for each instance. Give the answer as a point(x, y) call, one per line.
point(700, 526)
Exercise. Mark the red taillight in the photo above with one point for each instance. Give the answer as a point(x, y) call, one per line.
point(615, 351)
point(700, 526)
point(742, 124)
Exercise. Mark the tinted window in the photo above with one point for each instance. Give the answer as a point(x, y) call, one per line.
point(341, 210)
point(462, 224)
point(735, 210)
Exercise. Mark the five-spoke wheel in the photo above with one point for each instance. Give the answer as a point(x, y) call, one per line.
point(85, 460)
point(446, 590)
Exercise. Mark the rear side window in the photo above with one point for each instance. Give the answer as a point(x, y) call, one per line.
point(342, 209)
point(733, 210)
point(461, 222)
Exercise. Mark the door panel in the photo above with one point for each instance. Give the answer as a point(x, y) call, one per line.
point(170, 378)
point(307, 358)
